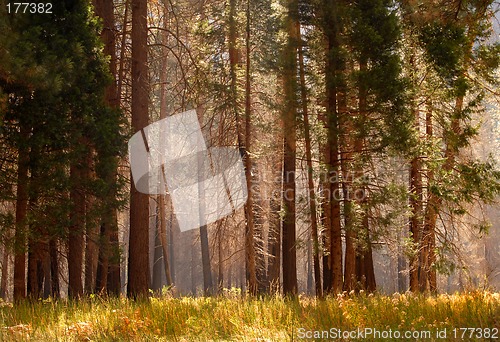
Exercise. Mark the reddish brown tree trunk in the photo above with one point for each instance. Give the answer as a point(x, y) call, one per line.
point(35, 270)
point(76, 232)
point(334, 68)
point(416, 199)
point(138, 261)
point(91, 251)
point(109, 254)
point(21, 227)
point(54, 268)
point(364, 259)
point(208, 285)
point(164, 201)
point(220, 257)
point(428, 279)
point(36, 251)
point(5, 269)
point(289, 119)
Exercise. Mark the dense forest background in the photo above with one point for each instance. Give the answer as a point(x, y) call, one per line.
point(369, 132)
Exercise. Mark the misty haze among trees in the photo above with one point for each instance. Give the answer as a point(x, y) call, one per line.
point(369, 132)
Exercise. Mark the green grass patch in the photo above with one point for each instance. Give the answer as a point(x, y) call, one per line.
point(237, 319)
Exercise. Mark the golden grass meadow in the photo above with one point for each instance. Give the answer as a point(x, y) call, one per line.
point(232, 317)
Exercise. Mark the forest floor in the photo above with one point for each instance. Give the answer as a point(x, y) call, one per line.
point(233, 318)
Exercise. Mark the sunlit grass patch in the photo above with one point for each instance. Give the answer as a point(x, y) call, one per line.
point(233, 318)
